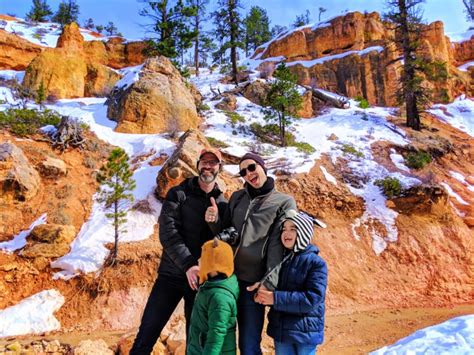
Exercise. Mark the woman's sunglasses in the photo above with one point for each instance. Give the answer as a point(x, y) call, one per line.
point(251, 168)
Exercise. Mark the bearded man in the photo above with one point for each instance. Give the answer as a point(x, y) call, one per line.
point(183, 231)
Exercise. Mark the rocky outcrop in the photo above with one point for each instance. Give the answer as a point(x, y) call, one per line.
point(182, 164)
point(373, 73)
point(15, 52)
point(228, 102)
point(463, 51)
point(19, 181)
point(52, 168)
point(49, 241)
point(256, 91)
point(158, 102)
point(122, 54)
point(66, 71)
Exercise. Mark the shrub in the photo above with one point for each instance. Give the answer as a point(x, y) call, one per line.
point(203, 107)
point(350, 149)
point(270, 133)
point(23, 122)
point(304, 147)
point(363, 103)
point(390, 186)
point(418, 159)
point(216, 143)
point(234, 117)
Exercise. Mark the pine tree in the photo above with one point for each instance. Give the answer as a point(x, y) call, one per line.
point(283, 100)
point(302, 20)
point(99, 28)
point(207, 46)
point(321, 10)
point(111, 29)
point(116, 184)
point(198, 18)
point(257, 28)
point(40, 11)
point(277, 29)
point(229, 30)
point(68, 11)
point(89, 24)
point(407, 21)
point(171, 25)
point(469, 5)
point(41, 95)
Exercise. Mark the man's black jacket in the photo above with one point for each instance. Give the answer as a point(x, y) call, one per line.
point(183, 229)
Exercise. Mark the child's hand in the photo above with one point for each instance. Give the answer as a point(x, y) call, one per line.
point(253, 287)
point(264, 297)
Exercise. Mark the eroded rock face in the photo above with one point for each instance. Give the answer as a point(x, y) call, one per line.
point(375, 74)
point(69, 71)
point(19, 181)
point(15, 52)
point(158, 102)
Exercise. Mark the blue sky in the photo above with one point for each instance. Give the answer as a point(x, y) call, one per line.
point(124, 13)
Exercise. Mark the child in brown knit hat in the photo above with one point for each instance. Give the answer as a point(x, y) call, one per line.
point(213, 320)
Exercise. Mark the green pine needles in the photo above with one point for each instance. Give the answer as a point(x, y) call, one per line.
point(116, 182)
point(283, 100)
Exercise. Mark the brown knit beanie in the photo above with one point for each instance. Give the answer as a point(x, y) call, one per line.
point(216, 256)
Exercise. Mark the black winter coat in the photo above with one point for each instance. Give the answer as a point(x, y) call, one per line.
point(183, 229)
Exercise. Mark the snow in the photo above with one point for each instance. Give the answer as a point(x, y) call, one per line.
point(130, 75)
point(454, 194)
point(398, 160)
point(460, 36)
point(459, 114)
point(19, 240)
point(42, 33)
point(460, 177)
point(455, 336)
point(328, 176)
point(33, 315)
point(311, 63)
point(465, 66)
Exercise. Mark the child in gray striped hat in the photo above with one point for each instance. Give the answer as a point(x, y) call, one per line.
point(296, 319)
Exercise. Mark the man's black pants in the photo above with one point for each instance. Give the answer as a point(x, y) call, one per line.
point(164, 297)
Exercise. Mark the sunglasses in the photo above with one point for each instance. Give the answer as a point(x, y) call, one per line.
point(209, 162)
point(251, 168)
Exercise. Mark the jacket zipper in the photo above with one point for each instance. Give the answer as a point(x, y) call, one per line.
point(243, 227)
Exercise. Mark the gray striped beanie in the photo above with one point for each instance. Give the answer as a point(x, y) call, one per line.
point(304, 229)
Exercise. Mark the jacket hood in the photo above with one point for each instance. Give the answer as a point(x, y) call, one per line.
point(230, 284)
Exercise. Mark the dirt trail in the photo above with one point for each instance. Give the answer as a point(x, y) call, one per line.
point(346, 333)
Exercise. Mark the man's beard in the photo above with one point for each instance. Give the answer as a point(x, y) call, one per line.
point(207, 178)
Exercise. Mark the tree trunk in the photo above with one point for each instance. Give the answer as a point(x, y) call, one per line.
point(116, 232)
point(334, 100)
point(196, 44)
point(233, 39)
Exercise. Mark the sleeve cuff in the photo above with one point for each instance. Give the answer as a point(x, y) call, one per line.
point(189, 262)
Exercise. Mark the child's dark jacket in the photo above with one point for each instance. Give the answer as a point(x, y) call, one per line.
point(298, 317)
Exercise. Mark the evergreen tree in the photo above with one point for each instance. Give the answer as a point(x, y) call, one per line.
point(207, 46)
point(110, 29)
point(171, 25)
point(198, 18)
point(116, 184)
point(229, 30)
point(469, 5)
point(40, 11)
point(68, 11)
point(41, 95)
point(89, 24)
point(407, 21)
point(302, 20)
point(99, 28)
point(257, 29)
point(277, 29)
point(283, 100)
point(321, 10)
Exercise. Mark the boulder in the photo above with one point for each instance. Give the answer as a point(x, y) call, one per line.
point(18, 179)
point(306, 110)
point(15, 52)
point(52, 168)
point(49, 241)
point(256, 91)
point(228, 102)
point(158, 102)
point(100, 80)
point(71, 38)
point(121, 54)
point(97, 347)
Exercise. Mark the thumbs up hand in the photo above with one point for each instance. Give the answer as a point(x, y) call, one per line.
point(212, 212)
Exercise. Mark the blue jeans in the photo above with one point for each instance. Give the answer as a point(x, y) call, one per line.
point(250, 317)
point(294, 349)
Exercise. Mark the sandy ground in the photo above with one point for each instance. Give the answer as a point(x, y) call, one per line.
point(347, 333)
